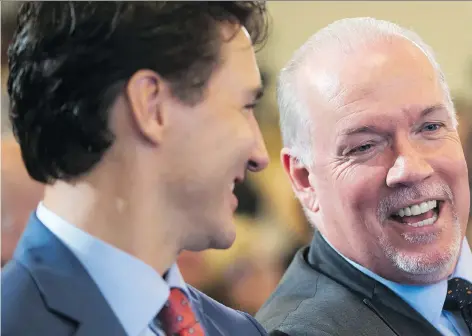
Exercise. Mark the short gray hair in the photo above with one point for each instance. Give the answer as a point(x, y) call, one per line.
point(347, 35)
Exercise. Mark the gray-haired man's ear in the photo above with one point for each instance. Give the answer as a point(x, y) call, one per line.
point(299, 176)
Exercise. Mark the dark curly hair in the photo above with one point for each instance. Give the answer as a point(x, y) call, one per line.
point(69, 61)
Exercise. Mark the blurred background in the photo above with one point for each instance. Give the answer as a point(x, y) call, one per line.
point(271, 225)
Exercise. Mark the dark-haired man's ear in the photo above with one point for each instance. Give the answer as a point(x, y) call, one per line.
point(144, 91)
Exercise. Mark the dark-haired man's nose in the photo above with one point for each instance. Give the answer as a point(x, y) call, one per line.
point(259, 159)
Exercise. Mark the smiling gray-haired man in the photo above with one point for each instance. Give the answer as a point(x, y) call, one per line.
point(373, 154)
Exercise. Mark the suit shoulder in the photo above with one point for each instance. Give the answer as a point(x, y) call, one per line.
point(311, 306)
point(18, 288)
point(231, 320)
point(22, 301)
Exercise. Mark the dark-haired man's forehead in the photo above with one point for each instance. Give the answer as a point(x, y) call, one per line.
point(239, 65)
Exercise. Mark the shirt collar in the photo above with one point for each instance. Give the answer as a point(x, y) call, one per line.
point(428, 300)
point(463, 269)
point(133, 289)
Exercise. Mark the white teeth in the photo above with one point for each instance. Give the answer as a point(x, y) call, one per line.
point(417, 209)
point(231, 186)
point(429, 221)
point(424, 207)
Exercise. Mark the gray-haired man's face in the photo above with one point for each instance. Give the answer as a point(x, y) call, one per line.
point(389, 176)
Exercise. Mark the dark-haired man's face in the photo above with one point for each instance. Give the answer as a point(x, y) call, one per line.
point(212, 145)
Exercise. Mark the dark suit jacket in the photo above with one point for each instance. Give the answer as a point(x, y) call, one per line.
point(46, 291)
point(322, 294)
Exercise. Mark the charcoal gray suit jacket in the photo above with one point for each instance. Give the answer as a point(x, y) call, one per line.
point(321, 294)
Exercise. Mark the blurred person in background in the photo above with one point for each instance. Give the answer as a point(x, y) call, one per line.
point(20, 196)
point(246, 275)
point(257, 276)
point(373, 154)
point(139, 117)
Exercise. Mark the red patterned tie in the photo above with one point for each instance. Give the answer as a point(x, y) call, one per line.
point(177, 317)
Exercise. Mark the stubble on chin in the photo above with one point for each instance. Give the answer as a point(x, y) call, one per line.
point(427, 267)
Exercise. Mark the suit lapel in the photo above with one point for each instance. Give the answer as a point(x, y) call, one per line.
point(209, 325)
point(384, 302)
point(65, 285)
point(198, 309)
point(400, 316)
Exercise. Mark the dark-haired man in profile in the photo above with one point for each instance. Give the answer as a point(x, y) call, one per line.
point(139, 117)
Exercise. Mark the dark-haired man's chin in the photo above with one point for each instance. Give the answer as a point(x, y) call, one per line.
point(224, 240)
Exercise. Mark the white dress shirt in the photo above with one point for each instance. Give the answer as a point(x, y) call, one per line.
point(134, 291)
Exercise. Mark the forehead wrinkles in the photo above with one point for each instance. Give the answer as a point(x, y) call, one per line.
point(376, 101)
